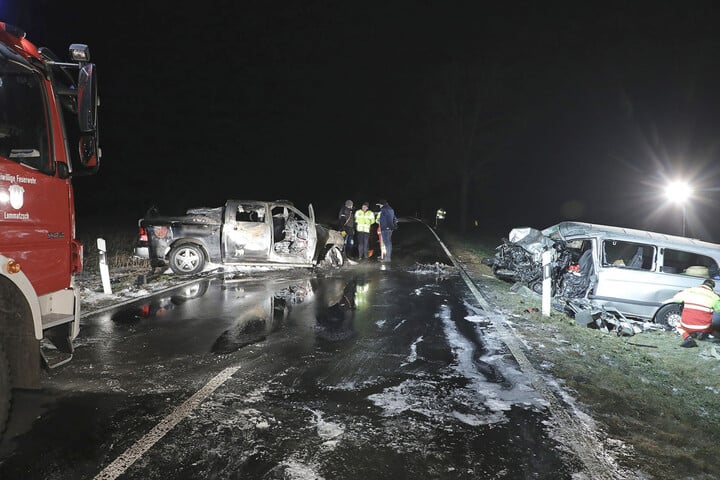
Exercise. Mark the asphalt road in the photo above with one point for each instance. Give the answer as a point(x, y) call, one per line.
point(371, 371)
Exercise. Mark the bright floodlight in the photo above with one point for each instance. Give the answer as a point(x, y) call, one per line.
point(678, 192)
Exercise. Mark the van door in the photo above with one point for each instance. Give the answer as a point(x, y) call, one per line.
point(627, 277)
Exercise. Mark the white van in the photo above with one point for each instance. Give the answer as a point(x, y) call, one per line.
point(634, 271)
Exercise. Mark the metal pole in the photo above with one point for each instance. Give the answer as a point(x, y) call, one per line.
point(683, 219)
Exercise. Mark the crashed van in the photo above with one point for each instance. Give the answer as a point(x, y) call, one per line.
point(634, 272)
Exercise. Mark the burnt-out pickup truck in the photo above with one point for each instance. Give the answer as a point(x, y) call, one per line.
point(242, 233)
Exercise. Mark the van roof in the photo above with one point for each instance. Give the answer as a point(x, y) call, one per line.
point(572, 230)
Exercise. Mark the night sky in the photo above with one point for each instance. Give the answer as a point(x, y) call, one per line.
point(549, 111)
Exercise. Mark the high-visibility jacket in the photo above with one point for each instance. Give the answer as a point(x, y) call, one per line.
point(364, 219)
point(699, 303)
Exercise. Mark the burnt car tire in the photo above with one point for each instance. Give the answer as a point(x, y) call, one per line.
point(536, 286)
point(669, 315)
point(187, 259)
point(334, 257)
point(5, 392)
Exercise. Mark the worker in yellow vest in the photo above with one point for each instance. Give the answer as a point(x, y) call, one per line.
point(364, 218)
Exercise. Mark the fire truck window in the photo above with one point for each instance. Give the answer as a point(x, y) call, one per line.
point(23, 133)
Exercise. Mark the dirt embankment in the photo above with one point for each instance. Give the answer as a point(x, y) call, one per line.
point(659, 399)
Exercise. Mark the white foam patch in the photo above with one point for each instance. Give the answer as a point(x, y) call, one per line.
point(413, 352)
point(294, 469)
point(480, 401)
point(326, 429)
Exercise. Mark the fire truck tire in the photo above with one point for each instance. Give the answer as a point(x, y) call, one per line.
point(5, 392)
point(187, 259)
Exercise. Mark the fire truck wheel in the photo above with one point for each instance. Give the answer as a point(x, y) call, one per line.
point(5, 393)
point(187, 259)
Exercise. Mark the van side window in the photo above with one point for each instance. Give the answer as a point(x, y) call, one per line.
point(688, 263)
point(638, 256)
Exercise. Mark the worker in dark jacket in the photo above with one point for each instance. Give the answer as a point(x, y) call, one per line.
point(346, 225)
point(387, 222)
point(699, 304)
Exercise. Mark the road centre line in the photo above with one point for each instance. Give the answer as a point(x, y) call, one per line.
point(132, 454)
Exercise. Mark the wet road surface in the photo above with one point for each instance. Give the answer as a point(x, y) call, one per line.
point(366, 372)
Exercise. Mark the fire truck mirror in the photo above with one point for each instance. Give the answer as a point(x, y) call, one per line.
point(89, 151)
point(87, 99)
point(63, 170)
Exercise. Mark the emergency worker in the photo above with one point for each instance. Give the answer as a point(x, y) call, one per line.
point(699, 304)
point(387, 223)
point(364, 218)
point(346, 225)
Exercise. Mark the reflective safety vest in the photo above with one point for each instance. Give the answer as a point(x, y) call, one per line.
point(699, 303)
point(364, 219)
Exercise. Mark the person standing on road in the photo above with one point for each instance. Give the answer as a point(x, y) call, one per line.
point(699, 303)
point(346, 224)
point(364, 218)
point(387, 222)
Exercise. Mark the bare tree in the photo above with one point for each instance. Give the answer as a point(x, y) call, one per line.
point(468, 118)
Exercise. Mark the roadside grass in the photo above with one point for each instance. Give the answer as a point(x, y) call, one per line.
point(119, 244)
point(645, 390)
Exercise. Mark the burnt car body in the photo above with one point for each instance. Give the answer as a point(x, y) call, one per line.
point(632, 272)
point(241, 233)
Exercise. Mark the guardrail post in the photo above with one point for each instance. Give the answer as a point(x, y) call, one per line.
point(104, 272)
point(547, 258)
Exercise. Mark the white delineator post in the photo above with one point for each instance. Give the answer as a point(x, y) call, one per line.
point(104, 272)
point(547, 258)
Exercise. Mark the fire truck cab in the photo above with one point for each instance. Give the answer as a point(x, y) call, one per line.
point(48, 135)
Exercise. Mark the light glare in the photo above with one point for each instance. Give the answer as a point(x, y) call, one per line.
point(678, 192)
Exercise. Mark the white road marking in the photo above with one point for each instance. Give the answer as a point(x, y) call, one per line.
point(124, 461)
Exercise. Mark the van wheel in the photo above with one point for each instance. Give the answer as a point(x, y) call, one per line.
point(669, 315)
point(5, 392)
point(187, 259)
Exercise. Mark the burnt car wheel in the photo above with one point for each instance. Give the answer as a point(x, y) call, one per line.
point(187, 259)
point(334, 257)
point(537, 287)
point(669, 315)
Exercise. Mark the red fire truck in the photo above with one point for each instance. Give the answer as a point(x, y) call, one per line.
point(48, 135)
